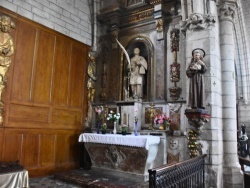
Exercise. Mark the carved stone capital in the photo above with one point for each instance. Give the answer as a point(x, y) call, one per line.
point(197, 21)
point(227, 11)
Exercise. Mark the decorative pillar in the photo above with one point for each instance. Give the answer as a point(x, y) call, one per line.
point(231, 166)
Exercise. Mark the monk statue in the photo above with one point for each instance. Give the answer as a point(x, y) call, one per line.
point(137, 70)
point(195, 72)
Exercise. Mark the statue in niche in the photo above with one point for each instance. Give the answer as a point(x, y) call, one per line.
point(6, 50)
point(92, 78)
point(137, 69)
point(195, 72)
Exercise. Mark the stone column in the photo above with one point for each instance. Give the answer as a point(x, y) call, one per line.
point(231, 167)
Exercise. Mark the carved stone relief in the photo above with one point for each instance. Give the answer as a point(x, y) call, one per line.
point(197, 21)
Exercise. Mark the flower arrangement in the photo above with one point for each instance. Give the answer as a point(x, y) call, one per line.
point(113, 117)
point(104, 126)
point(124, 128)
point(161, 118)
point(99, 110)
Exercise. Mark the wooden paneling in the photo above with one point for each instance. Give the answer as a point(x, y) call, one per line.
point(61, 72)
point(66, 116)
point(45, 99)
point(77, 75)
point(31, 150)
point(61, 147)
point(28, 113)
point(12, 146)
point(24, 57)
point(1, 142)
point(47, 149)
point(44, 66)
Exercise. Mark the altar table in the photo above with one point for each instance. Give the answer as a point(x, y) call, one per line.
point(19, 179)
point(130, 154)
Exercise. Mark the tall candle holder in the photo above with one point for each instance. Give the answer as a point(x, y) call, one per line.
point(152, 114)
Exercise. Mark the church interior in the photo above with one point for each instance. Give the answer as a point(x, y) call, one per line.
point(161, 91)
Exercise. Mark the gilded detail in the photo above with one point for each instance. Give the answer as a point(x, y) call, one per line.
point(6, 51)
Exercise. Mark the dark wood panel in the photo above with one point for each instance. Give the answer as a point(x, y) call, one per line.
point(73, 148)
point(61, 72)
point(12, 146)
point(24, 57)
point(47, 149)
point(1, 142)
point(66, 117)
point(61, 149)
point(77, 73)
point(44, 65)
point(28, 113)
point(31, 147)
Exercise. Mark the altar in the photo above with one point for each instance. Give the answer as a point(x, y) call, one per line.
point(129, 154)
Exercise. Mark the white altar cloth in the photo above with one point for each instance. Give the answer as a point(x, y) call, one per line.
point(128, 140)
point(18, 179)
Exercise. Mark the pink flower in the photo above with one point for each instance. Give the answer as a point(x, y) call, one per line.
point(161, 118)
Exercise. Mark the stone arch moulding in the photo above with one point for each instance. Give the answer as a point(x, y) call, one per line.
point(147, 51)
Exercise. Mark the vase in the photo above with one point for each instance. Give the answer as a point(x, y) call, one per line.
point(135, 128)
point(104, 131)
point(114, 131)
point(98, 127)
point(124, 133)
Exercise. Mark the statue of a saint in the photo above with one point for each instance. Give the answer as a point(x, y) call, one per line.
point(6, 45)
point(6, 50)
point(92, 78)
point(137, 70)
point(195, 72)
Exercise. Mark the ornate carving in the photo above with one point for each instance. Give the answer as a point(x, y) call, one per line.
point(174, 37)
point(227, 11)
point(175, 67)
point(138, 16)
point(105, 61)
point(173, 143)
point(175, 72)
point(116, 157)
point(196, 118)
point(175, 92)
point(197, 21)
point(159, 25)
point(6, 51)
point(173, 158)
point(133, 2)
point(92, 77)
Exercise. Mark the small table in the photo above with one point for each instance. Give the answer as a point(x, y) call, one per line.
point(130, 154)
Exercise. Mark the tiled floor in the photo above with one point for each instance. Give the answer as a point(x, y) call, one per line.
point(49, 182)
point(88, 178)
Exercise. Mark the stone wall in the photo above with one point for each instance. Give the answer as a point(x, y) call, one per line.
point(246, 11)
point(242, 62)
point(71, 18)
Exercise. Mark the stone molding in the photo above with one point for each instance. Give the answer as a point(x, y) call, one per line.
point(197, 21)
point(227, 11)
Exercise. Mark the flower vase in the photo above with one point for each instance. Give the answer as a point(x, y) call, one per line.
point(98, 127)
point(124, 133)
point(114, 131)
point(135, 128)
